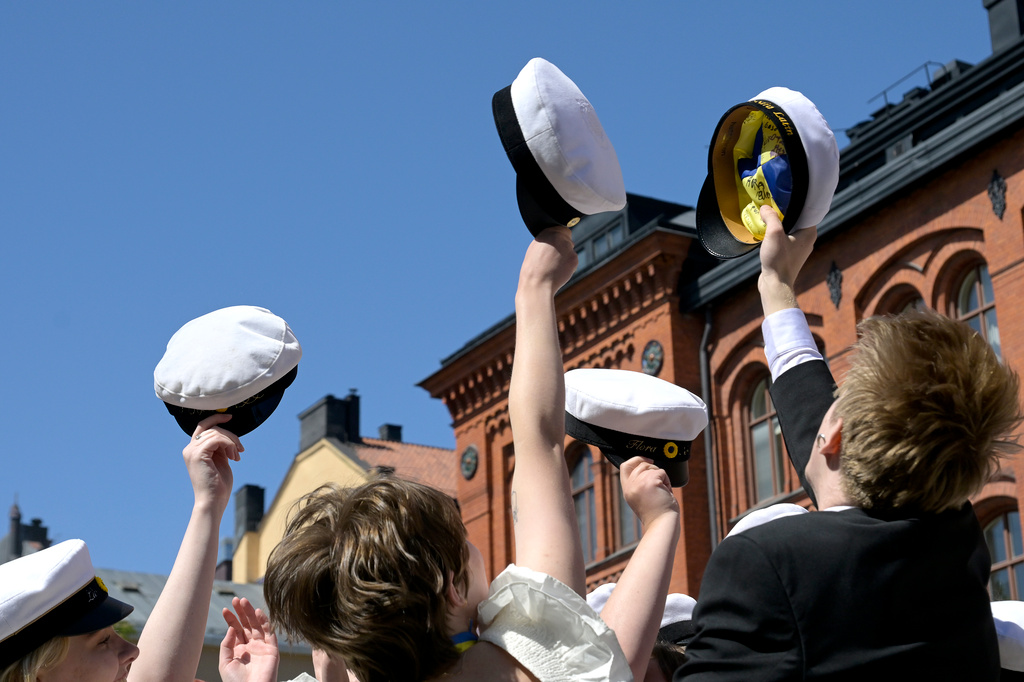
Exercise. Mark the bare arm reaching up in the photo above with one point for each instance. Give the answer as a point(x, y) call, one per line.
point(172, 640)
point(547, 538)
point(636, 605)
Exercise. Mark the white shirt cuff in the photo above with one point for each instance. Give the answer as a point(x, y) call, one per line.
point(787, 341)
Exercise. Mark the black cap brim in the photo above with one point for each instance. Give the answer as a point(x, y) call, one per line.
point(245, 416)
point(617, 447)
point(680, 633)
point(540, 204)
point(109, 612)
point(714, 235)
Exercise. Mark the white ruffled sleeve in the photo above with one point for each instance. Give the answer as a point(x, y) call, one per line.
point(550, 630)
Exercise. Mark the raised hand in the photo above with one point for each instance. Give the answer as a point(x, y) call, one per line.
point(248, 652)
point(782, 257)
point(208, 457)
point(550, 260)
point(647, 490)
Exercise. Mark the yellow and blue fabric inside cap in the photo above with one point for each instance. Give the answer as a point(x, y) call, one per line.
point(763, 176)
point(756, 159)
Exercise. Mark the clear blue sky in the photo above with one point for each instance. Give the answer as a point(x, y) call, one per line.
point(335, 162)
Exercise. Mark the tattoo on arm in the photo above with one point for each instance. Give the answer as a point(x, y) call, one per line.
point(515, 509)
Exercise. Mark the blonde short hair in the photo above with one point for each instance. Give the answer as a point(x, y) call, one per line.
point(928, 410)
point(364, 573)
point(47, 655)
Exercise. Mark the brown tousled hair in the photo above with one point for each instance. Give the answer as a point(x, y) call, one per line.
point(928, 410)
point(364, 573)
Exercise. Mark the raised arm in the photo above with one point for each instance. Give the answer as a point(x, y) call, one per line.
point(802, 385)
point(636, 605)
point(172, 641)
point(782, 257)
point(547, 539)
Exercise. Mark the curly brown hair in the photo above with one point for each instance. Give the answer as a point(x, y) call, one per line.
point(928, 410)
point(364, 573)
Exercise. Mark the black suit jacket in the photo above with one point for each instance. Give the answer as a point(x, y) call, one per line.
point(848, 595)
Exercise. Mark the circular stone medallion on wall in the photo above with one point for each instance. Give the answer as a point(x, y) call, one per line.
point(652, 359)
point(469, 462)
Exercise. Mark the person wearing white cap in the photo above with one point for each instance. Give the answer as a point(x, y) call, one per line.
point(55, 611)
point(56, 617)
point(924, 414)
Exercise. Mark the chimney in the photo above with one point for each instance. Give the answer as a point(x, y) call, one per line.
point(1005, 22)
point(392, 432)
point(227, 551)
point(37, 534)
point(248, 510)
point(14, 536)
point(330, 417)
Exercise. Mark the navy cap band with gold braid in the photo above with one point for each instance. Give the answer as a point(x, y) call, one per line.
point(53, 623)
point(617, 447)
point(245, 416)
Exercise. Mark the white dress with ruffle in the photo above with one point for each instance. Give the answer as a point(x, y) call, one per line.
point(550, 630)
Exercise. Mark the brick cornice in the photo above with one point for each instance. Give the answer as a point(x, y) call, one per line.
point(594, 317)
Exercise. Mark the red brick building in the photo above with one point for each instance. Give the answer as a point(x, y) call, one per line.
point(929, 211)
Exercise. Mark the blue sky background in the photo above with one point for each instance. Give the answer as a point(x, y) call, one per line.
point(335, 162)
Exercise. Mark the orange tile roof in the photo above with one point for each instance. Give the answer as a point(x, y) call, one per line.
point(433, 466)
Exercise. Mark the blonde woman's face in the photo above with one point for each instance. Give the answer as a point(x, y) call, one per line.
point(101, 656)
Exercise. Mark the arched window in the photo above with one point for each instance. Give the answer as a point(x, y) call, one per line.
point(629, 529)
point(1004, 544)
point(913, 303)
point(975, 305)
point(768, 455)
point(582, 480)
point(900, 299)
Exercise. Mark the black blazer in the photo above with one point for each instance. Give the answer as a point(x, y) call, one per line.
point(849, 595)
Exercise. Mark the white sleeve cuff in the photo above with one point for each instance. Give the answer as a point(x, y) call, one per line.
point(787, 341)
